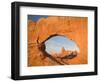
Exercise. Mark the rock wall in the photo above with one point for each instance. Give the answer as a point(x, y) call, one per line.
point(75, 28)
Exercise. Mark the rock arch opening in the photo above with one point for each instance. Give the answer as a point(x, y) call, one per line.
point(60, 45)
point(58, 48)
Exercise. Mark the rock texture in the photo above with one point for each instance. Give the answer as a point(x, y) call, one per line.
point(75, 28)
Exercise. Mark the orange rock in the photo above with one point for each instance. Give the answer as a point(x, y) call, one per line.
point(75, 28)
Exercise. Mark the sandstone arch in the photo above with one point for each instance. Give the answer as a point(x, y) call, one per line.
point(74, 28)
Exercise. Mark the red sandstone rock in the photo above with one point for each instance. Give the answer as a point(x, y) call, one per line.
point(75, 28)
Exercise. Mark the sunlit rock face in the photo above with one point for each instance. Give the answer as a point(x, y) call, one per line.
point(74, 28)
point(55, 44)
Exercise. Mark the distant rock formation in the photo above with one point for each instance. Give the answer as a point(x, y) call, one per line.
point(75, 28)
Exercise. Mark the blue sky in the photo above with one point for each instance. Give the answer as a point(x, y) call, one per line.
point(36, 17)
point(56, 43)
